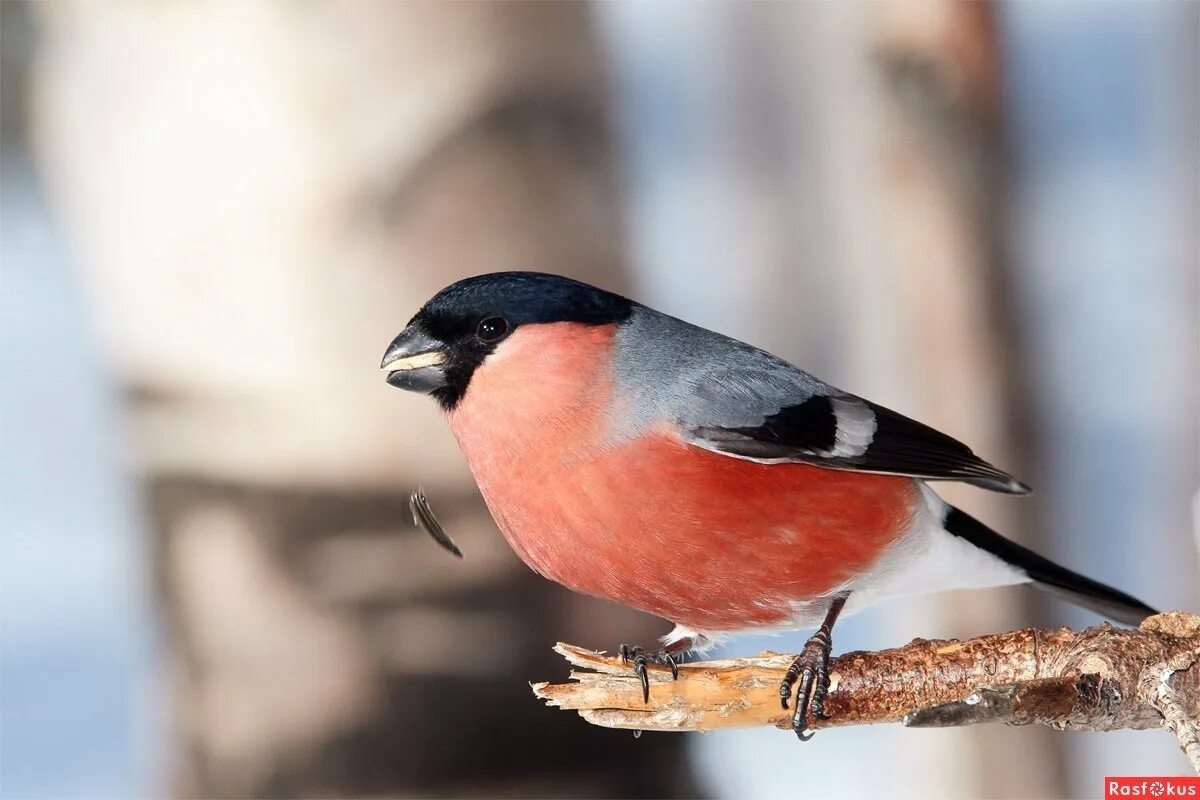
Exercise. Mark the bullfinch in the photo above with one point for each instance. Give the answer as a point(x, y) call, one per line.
point(630, 455)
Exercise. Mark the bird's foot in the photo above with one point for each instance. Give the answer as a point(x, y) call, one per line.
point(811, 669)
point(641, 658)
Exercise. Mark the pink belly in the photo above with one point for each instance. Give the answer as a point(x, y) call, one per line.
point(708, 541)
point(704, 540)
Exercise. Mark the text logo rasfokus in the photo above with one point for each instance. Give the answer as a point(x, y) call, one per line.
point(1151, 787)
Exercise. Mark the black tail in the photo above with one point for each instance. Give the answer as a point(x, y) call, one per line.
point(1071, 586)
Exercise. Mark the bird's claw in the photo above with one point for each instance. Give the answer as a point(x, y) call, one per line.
point(641, 658)
point(811, 669)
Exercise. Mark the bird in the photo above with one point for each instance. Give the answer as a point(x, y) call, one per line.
point(629, 455)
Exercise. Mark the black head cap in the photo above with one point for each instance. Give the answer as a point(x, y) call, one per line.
point(471, 317)
point(523, 297)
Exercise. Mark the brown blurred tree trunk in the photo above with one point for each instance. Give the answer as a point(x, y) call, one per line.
point(944, 176)
point(936, 282)
point(879, 133)
point(262, 194)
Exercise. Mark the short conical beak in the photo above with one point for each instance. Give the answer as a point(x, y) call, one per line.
point(414, 361)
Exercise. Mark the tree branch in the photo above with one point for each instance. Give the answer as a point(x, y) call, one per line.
point(1099, 679)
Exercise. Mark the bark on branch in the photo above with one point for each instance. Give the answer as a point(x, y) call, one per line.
point(1099, 679)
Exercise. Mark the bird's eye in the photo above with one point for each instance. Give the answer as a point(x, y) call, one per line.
point(492, 329)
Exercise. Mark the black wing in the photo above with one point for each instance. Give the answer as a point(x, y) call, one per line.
point(846, 432)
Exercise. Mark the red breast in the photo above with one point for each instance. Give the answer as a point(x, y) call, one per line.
point(705, 540)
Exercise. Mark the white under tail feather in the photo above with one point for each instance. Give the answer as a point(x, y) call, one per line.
point(930, 559)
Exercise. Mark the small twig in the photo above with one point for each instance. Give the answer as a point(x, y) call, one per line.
point(1099, 679)
point(1175, 717)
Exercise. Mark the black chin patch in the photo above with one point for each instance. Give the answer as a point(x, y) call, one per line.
point(462, 359)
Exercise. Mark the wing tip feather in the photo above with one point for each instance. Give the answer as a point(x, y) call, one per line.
point(1000, 482)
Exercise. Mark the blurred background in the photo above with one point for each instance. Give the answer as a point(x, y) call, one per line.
point(216, 216)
